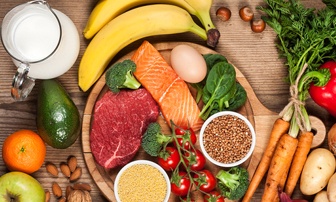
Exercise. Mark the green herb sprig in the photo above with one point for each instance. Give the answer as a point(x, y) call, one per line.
point(307, 38)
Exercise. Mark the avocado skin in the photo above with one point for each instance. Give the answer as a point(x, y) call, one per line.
point(58, 119)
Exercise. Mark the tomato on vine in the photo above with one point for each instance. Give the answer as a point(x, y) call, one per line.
point(195, 160)
point(213, 196)
point(180, 183)
point(185, 137)
point(205, 180)
point(169, 159)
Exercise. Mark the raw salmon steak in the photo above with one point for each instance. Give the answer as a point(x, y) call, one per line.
point(167, 88)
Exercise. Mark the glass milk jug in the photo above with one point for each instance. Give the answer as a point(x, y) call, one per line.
point(42, 42)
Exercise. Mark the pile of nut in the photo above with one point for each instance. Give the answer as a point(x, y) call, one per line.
point(78, 192)
point(246, 14)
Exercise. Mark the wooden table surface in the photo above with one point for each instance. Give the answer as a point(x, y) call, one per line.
point(254, 54)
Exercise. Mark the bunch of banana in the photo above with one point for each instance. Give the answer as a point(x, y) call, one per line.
point(132, 24)
point(106, 10)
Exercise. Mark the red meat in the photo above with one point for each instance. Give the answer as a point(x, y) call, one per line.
point(118, 123)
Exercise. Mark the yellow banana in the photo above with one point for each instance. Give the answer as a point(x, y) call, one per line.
point(144, 21)
point(202, 8)
point(106, 10)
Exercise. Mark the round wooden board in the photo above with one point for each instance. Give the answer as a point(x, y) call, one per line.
point(261, 118)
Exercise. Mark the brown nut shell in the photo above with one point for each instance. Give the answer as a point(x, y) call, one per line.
point(68, 190)
point(87, 196)
point(63, 199)
point(56, 189)
point(65, 169)
point(223, 13)
point(47, 196)
point(72, 163)
point(76, 174)
point(82, 186)
point(52, 169)
point(246, 13)
point(79, 196)
point(258, 25)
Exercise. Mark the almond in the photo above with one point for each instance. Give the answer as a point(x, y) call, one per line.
point(68, 190)
point(82, 186)
point(47, 196)
point(76, 174)
point(65, 169)
point(72, 163)
point(52, 169)
point(63, 199)
point(57, 191)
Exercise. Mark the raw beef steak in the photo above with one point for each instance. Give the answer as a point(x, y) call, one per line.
point(118, 123)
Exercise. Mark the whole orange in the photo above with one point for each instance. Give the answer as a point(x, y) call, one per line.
point(24, 151)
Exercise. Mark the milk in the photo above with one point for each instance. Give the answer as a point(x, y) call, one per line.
point(37, 36)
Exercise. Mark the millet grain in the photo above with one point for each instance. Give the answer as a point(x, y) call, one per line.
point(227, 139)
point(141, 183)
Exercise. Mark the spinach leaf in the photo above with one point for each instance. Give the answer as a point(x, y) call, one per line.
point(211, 60)
point(238, 99)
point(224, 101)
point(219, 82)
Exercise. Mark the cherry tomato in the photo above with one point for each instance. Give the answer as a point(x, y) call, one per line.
point(195, 159)
point(205, 180)
point(180, 184)
point(185, 137)
point(170, 160)
point(213, 196)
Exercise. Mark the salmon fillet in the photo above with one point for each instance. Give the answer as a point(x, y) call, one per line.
point(166, 87)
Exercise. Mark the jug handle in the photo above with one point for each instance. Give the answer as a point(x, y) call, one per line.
point(22, 84)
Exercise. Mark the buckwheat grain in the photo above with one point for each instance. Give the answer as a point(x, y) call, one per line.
point(227, 139)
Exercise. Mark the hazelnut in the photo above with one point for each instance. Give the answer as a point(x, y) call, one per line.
point(246, 14)
point(223, 13)
point(258, 25)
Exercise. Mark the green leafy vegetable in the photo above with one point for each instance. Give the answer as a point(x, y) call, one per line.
point(219, 90)
point(211, 60)
point(220, 80)
point(120, 75)
point(307, 38)
point(238, 99)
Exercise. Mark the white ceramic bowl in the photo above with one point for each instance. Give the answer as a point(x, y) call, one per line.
point(142, 162)
point(249, 153)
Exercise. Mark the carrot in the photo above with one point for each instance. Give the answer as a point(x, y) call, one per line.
point(281, 186)
point(300, 157)
point(280, 164)
point(280, 127)
point(283, 180)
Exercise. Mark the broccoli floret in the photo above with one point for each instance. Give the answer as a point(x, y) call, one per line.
point(153, 139)
point(233, 183)
point(120, 75)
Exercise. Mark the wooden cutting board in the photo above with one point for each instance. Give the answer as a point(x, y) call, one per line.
point(261, 118)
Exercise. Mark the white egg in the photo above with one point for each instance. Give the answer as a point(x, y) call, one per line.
point(188, 63)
